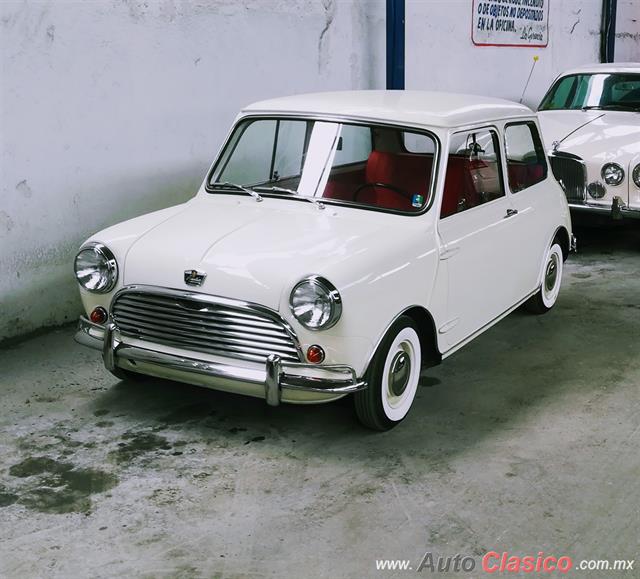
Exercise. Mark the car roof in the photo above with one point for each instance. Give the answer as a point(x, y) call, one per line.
point(438, 109)
point(633, 67)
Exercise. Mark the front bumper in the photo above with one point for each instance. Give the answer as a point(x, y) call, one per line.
point(277, 381)
point(617, 210)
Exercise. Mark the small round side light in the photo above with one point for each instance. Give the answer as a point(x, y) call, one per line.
point(315, 354)
point(99, 315)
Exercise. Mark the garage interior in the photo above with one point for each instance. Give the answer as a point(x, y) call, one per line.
point(525, 441)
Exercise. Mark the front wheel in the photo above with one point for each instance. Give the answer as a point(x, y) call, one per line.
point(544, 300)
point(392, 376)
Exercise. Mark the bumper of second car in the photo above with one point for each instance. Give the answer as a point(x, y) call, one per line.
point(276, 381)
point(617, 209)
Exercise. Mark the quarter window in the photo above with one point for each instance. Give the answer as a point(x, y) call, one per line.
point(354, 145)
point(473, 174)
point(526, 164)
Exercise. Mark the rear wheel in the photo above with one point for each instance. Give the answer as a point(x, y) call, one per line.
point(547, 295)
point(392, 376)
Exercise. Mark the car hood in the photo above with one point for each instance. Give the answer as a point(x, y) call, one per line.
point(593, 135)
point(255, 251)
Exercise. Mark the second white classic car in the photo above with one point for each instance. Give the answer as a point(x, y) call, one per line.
point(340, 243)
point(591, 119)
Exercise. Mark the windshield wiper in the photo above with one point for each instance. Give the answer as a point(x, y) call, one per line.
point(235, 187)
point(274, 189)
point(612, 106)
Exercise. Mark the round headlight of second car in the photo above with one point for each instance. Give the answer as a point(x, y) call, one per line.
point(612, 173)
point(96, 268)
point(636, 175)
point(316, 303)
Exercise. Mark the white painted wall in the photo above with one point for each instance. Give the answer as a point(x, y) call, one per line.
point(114, 108)
point(627, 31)
point(443, 57)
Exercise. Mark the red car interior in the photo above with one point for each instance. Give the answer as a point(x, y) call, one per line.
point(522, 175)
point(407, 174)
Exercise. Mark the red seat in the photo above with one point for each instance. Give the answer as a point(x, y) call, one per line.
point(459, 189)
point(523, 175)
point(410, 173)
point(342, 185)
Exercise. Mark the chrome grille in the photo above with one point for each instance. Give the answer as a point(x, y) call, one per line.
point(203, 323)
point(570, 173)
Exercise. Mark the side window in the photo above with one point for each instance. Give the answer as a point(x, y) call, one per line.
point(526, 163)
point(473, 174)
point(418, 143)
point(354, 145)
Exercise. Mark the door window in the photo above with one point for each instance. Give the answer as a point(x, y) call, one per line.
point(473, 174)
point(526, 162)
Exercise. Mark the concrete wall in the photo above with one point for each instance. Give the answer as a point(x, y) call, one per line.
point(628, 31)
point(443, 57)
point(114, 108)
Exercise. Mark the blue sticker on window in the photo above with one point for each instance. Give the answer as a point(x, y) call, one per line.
point(417, 200)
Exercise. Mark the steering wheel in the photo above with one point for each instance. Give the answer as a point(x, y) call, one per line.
point(398, 190)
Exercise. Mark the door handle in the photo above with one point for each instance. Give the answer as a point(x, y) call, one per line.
point(511, 213)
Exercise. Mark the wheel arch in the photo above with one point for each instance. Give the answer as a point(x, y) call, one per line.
point(427, 333)
point(562, 237)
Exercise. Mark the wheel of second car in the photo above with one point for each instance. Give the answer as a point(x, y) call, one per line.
point(392, 376)
point(547, 295)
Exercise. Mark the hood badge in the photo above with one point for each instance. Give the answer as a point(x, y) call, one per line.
point(193, 277)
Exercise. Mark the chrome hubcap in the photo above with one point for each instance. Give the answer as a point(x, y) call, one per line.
point(551, 275)
point(399, 373)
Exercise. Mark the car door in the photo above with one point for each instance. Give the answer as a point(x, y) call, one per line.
point(475, 231)
point(526, 174)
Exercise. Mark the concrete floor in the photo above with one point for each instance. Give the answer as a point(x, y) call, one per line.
point(525, 441)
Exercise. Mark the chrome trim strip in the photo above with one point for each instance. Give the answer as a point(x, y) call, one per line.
point(495, 320)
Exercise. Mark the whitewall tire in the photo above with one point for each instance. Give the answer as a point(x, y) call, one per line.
point(393, 377)
point(547, 296)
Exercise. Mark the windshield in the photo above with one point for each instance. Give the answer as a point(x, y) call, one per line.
point(366, 165)
point(600, 91)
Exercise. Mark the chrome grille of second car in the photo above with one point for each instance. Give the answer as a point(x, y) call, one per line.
point(203, 323)
point(570, 173)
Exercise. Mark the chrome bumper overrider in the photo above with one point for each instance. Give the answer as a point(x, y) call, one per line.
point(275, 376)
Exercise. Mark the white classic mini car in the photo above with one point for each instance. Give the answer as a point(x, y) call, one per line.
point(591, 118)
point(339, 243)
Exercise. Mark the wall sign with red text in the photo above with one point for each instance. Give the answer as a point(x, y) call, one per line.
point(510, 23)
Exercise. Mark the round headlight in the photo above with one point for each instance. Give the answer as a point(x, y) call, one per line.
point(316, 303)
point(612, 173)
point(636, 175)
point(96, 268)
